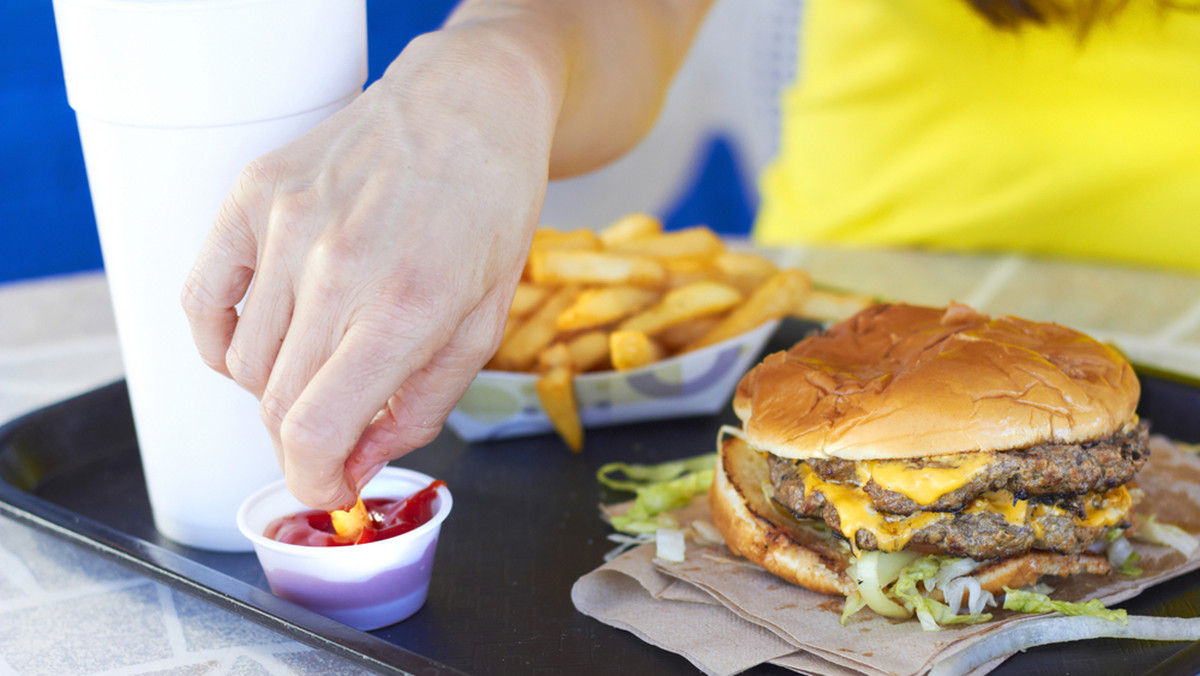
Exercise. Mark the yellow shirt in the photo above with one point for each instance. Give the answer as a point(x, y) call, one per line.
point(914, 122)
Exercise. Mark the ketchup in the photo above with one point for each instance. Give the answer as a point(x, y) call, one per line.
point(387, 519)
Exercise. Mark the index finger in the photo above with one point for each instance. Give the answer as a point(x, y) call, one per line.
point(223, 270)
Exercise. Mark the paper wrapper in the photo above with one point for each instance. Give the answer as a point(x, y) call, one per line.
point(501, 405)
point(726, 615)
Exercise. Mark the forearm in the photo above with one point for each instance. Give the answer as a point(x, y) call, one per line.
point(602, 66)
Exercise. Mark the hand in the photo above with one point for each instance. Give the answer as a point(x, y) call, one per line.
point(377, 256)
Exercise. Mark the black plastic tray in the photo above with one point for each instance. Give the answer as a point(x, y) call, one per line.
point(525, 526)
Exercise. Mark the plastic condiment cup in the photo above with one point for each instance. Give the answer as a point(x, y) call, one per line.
point(366, 586)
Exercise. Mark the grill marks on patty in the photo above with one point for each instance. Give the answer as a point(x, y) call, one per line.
point(1054, 474)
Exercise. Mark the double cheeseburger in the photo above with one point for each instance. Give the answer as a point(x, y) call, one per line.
point(932, 430)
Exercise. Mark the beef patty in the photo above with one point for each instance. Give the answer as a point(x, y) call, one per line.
point(1055, 474)
point(1042, 470)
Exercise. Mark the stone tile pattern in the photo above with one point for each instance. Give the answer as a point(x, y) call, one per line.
point(66, 612)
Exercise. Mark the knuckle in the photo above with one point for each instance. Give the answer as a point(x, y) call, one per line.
point(423, 434)
point(196, 297)
point(246, 368)
point(307, 434)
point(273, 410)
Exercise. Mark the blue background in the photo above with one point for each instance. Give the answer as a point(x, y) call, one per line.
point(46, 221)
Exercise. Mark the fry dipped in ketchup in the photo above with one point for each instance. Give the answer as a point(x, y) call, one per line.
point(368, 520)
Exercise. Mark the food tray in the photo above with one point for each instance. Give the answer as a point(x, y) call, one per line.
point(525, 527)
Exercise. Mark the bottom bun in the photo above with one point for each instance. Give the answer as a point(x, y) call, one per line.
point(754, 528)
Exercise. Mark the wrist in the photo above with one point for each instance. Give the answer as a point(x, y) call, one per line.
point(515, 52)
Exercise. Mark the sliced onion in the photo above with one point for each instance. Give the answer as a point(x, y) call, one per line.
point(625, 543)
point(1167, 535)
point(670, 545)
point(1118, 552)
point(1060, 629)
point(977, 598)
point(875, 570)
point(706, 533)
point(950, 571)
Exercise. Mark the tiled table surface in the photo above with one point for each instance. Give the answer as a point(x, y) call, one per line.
point(66, 611)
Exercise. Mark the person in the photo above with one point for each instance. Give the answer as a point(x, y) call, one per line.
point(377, 254)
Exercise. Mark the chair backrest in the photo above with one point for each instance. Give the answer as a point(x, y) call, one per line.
point(718, 129)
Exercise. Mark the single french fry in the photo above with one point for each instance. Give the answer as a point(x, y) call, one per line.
point(675, 338)
point(778, 296)
point(628, 228)
point(744, 270)
point(519, 350)
point(595, 267)
point(699, 299)
point(684, 271)
point(350, 523)
point(546, 239)
point(527, 298)
point(595, 307)
point(555, 356)
point(588, 351)
point(695, 242)
point(556, 391)
point(632, 349)
point(832, 306)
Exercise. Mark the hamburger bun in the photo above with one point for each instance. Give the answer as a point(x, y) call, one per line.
point(903, 381)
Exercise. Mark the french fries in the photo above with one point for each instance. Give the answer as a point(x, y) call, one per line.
point(631, 294)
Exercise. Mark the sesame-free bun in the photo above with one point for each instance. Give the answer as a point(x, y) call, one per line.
point(902, 381)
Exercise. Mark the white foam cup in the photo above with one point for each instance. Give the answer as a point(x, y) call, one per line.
point(173, 98)
point(366, 586)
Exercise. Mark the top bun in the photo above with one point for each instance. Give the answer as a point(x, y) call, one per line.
point(902, 381)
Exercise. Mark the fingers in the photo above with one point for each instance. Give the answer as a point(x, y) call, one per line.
point(416, 412)
point(338, 401)
point(224, 268)
point(381, 398)
point(265, 316)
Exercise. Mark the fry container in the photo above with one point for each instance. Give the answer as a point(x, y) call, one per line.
point(366, 586)
point(501, 405)
point(172, 99)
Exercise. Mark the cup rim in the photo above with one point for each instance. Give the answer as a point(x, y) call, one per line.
point(444, 504)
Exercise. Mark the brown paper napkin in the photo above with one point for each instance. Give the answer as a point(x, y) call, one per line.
point(726, 615)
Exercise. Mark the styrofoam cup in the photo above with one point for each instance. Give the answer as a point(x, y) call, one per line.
point(173, 98)
point(366, 586)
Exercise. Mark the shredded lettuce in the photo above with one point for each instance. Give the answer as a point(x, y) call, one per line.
point(854, 603)
point(1129, 567)
point(1032, 602)
point(659, 488)
point(1122, 557)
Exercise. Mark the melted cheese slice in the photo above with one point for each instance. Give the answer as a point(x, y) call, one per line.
point(893, 532)
point(935, 478)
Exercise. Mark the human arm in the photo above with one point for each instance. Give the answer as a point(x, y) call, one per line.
point(378, 253)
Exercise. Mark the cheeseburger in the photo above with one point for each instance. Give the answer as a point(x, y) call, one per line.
point(999, 449)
